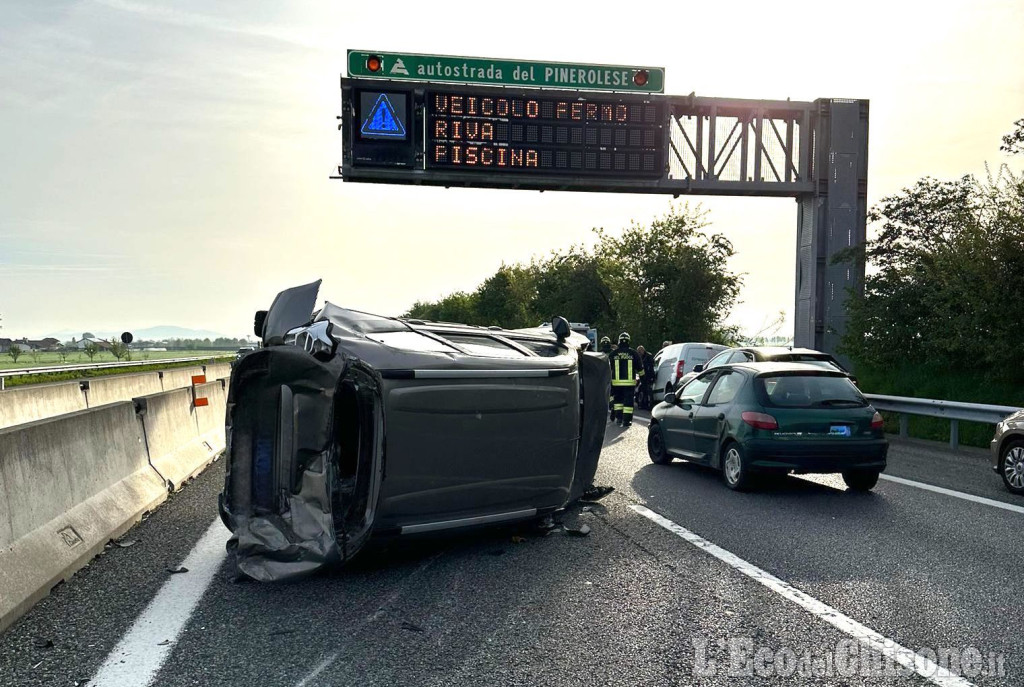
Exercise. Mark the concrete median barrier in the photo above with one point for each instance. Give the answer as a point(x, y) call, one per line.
point(67, 486)
point(71, 483)
point(180, 378)
point(116, 388)
point(218, 371)
point(40, 401)
point(171, 431)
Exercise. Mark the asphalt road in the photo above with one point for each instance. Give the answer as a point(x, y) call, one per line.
point(633, 603)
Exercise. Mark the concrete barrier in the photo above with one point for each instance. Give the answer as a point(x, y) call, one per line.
point(103, 390)
point(171, 432)
point(218, 371)
point(40, 401)
point(179, 378)
point(67, 486)
point(71, 483)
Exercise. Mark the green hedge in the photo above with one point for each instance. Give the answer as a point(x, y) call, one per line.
point(50, 377)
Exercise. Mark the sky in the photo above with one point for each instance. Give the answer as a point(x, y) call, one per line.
point(168, 162)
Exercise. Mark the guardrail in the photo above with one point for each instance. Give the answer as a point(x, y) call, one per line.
point(954, 411)
point(4, 374)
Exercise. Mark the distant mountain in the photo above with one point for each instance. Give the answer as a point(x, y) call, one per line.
point(158, 333)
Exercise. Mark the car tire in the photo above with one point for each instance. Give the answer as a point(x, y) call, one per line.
point(656, 445)
point(861, 480)
point(735, 469)
point(1012, 456)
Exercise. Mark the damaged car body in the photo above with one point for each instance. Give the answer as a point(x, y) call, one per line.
point(347, 425)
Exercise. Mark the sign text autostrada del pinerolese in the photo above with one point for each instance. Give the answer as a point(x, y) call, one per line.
point(502, 72)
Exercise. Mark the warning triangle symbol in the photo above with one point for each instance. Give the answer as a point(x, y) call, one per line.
point(382, 120)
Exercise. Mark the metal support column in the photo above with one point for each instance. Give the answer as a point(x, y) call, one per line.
point(829, 219)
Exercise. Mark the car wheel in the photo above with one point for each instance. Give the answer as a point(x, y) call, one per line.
point(861, 480)
point(1011, 466)
point(656, 445)
point(735, 471)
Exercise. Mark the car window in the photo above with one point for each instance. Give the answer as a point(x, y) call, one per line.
point(719, 359)
point(808, 391)
point(741, 357)
point(694, 390)
point(482, 345)
point(725, 389)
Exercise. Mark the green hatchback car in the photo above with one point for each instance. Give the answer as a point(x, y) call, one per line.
point(751, 418)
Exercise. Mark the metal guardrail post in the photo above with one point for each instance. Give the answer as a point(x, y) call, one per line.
point(954, 433)
point(904, 425)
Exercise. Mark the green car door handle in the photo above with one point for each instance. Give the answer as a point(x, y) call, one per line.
point(721, 416)
point(690, 416)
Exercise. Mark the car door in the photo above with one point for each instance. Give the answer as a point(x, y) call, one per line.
point(709, 417)
point(677, 424)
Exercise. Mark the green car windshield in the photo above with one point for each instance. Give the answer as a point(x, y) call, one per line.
point(808, 391)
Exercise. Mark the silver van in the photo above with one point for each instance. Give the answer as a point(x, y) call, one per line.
point(675, 360)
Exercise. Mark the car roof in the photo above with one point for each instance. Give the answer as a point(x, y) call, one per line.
point(782, 350)
point(768, 368)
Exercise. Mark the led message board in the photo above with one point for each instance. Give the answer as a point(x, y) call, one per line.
point(480, 129)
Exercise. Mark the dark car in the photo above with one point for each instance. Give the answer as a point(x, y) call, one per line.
point(346, 425)
point(752, 418)
point(765, 354)
point(1008, 451)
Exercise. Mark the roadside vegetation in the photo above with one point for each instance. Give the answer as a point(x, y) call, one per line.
point(50, 377)
point(943, 300)
point(664, 280)
point(26, 359)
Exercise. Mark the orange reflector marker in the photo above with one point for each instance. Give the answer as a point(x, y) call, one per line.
point(374, 63)
point(640, 77)
point(202, 402)
point(198, 379)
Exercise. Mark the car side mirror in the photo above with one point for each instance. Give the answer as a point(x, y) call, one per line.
point(698, 367)
point(258, 322)
point(560, 326)
point(670, 398)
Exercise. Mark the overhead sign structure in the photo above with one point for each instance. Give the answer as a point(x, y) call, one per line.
point(502, 72)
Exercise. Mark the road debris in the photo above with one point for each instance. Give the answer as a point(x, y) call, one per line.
point(176, 571)
point(580, 531)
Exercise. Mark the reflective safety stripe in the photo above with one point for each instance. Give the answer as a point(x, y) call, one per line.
point(618, 406)
point(626, 410)
point(623, 382)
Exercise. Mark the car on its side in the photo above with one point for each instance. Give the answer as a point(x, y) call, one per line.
point(1008, 452)
point(345, 426)
point(751, 418)
point(762, 354)
point(676, 360)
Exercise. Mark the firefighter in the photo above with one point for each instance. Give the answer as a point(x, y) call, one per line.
point(645, 399)
point(626, 367)
point(606, 345)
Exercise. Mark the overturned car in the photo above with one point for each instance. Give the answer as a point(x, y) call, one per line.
point(347, 425)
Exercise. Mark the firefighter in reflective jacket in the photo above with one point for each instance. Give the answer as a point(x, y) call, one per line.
point(626, 367)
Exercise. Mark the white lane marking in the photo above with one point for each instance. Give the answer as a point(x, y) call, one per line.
point(321, 667)
point(865, 635)
point(957, 494)
point(144, 649)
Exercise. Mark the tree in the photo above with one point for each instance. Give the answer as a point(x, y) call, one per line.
point(669, 279)
point(118, 349)
point(945, 287)
point(63, 352)
point(1013, 142)
point(15, 353)
point(666, 280)
point(91, 349)
point(88, 335)
point(35, 354)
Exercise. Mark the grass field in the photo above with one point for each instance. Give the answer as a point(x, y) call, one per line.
point(29, 359)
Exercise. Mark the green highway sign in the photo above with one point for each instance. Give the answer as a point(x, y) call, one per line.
point(479, 70)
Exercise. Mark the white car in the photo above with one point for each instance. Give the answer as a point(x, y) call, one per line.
point(675, 360)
